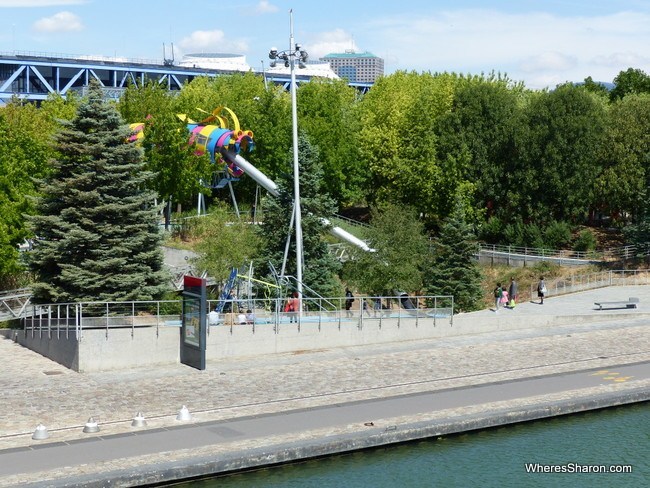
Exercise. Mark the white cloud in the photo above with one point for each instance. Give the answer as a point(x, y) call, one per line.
point(548, 61)
point(623, 58)
point(336, 41)
point(530, 46)
point(39, 3)
point(265, 7)
point(211, 41)
point(61, 22)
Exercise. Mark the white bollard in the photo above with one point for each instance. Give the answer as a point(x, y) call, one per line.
point(184, 414)
point(138, 420)
point(91, 426)
point(40, 433)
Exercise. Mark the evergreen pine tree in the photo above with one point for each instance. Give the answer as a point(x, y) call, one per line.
point(454, 270)
point(320, 267)
point(97, 230)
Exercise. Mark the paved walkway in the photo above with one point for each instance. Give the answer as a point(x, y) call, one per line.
point(36, 390)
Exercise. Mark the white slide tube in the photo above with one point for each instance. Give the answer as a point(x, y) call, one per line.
point(269, 185)
point(264, 181)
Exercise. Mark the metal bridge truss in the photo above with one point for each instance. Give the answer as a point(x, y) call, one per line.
point(14, 303)
point(34, 77)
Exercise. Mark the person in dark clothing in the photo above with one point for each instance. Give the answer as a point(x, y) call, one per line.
point(541, 290)
point(512, 293)
point(349, 299)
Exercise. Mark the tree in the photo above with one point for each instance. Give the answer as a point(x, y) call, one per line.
point(476, 143)
point(224, 243)
point(596, 87)
point(400, 251)
point(97, 230)
point(398, 142)
point(320, 267)
point(558, 144)
point(24, 138)
point(179, 172)
point(326, 113)
point(622, 187)
point(453, 269)
point(631, 81)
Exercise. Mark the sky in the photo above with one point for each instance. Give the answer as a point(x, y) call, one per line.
point(540, 42)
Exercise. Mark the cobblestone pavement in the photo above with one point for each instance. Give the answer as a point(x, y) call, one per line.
point(36, 390)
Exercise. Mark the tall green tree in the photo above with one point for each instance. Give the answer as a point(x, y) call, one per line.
point(326, 112)
point(179, 173)
point(476, 143)
point(320, 269)
point(558, 144)
point(630, 81)
point(400, 252)
point(622, 187)
point(97, 230)
point(24, 150)
point(453, 269)
point(398, 142)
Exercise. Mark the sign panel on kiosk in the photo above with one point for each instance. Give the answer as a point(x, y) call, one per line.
point(194, 328)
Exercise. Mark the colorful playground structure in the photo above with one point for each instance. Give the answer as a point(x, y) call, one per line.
point(225, 145)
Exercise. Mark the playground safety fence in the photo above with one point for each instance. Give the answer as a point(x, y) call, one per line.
point(71, 319)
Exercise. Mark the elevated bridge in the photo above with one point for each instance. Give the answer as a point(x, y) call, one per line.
point(34, 76)
point(14, 304)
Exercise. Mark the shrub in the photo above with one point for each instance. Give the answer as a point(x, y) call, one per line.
point(585, 241)
point(532, 236)
point(491, 231)
point(557, 235)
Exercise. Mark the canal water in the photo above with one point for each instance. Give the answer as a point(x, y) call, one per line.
point(576, 445)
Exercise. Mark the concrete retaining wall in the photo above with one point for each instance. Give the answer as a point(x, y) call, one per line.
point(60, 347)
point(246, 340)
point(128, 348)
point(121, 349)
point(133, 347)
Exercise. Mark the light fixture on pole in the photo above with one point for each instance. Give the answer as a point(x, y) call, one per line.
point(294, 54)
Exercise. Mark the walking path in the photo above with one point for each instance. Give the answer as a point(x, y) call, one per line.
point(604, 359)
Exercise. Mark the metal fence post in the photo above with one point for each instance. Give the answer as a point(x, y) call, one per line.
point(49, 322)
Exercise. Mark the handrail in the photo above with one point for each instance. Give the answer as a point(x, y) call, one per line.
point(68, 318)
point(349, 220)
point(590, 281)
point(623, 252)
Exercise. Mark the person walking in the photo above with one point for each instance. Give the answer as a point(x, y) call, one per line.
point(512, 292)
point(541, 290)
point(498, 294)
point(349, 299)
point(377, 307)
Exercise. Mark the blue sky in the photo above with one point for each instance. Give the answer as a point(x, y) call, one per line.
point(541, 42)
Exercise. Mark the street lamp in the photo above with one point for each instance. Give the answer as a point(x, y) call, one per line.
point(294, 54)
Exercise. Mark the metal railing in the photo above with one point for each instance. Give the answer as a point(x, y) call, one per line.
point(81, 57)
point(71, 319)
point(613, 254)
point(591, 281)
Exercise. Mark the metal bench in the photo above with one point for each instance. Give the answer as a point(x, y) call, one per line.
point(631, 302)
